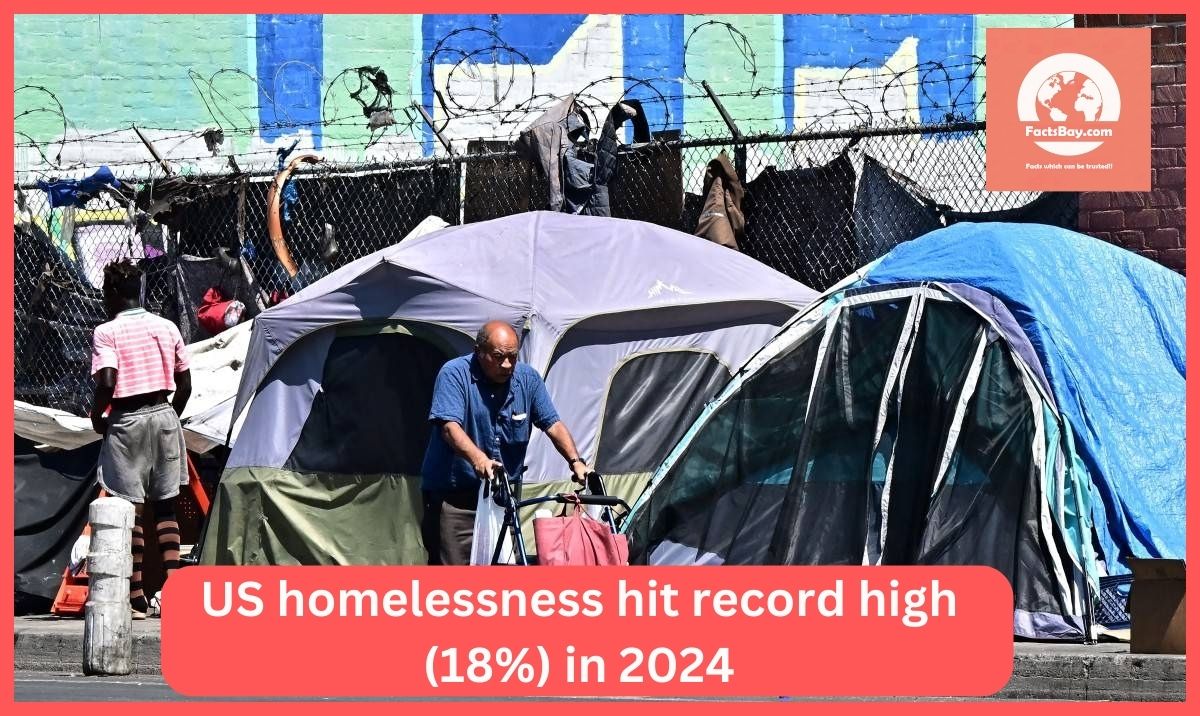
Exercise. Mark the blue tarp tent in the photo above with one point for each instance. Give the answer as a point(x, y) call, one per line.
point(1108, 328)
point(1002, 394)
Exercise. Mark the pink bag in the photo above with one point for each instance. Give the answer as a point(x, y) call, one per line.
point(578, 539)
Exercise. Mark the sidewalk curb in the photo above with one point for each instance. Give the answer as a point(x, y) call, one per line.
point(1040, 672)
point(61, 651)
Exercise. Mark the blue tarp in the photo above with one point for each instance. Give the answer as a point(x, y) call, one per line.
point(1108, 326)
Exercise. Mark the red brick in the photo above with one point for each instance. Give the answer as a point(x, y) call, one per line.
point(1130, 239)
point(1084, 221)
point(1181, 34)
point(1152, 255)
point(1175, 258)
point(1170, 94)
point(1170, 177)
point(1162, 35)
point(1108, 220)
point(1130, 20)
point(1142, 219)
point(1170, 18)
point(1166, 197)
point(1181, 71)
point(1163, 238)
point(1168, 54)
point(1102, 235)
point(1174, 217)
point(1169, 136)
point(1162, 74)
point(1095, 200)
point(1099, 20)
point(1129, 200)
point(1162, 115)
point(1167, 158)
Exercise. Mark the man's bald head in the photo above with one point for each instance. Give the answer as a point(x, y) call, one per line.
point(496, 347)
point(496, 331)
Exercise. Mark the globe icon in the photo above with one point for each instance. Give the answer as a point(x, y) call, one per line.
point(1069, 97)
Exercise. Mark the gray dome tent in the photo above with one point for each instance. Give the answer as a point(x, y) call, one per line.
point(634, 327)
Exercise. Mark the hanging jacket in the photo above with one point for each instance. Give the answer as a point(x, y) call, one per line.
point(604, 171)
point(721, 220)
point(547, 140)
point(554, 141)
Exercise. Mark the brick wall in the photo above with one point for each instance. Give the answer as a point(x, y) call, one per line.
point(1150, 223)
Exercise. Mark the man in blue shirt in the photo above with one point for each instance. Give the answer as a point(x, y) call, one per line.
point(484, 407)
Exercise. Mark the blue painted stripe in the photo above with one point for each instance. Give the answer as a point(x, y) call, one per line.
point(290, 58)
point(653, 50)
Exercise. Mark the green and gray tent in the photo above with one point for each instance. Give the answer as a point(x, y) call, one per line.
point(633, 326)
point(988, 394)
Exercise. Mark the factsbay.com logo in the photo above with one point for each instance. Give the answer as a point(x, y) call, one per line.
point(1068, 109)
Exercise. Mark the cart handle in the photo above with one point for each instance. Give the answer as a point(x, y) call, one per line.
point(563, 498)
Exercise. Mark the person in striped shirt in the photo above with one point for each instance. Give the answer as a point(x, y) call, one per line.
point(140, 366)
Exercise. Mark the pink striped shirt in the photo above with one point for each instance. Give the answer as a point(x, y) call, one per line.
point(146, 350)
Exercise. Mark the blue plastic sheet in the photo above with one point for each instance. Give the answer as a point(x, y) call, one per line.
point(1108, 326)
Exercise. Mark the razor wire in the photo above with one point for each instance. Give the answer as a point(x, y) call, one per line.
point(817, 205)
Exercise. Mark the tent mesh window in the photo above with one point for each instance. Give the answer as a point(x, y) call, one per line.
point(777, 476)
point(743, 454)
point(651, 401)
point(382, 381)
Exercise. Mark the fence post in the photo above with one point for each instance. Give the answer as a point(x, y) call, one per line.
point(739, 148)
point(107, 618)
point(437, 132)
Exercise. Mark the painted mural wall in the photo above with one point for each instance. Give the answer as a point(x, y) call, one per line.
point(268, 80)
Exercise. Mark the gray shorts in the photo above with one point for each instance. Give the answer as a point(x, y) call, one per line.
point(143, 456)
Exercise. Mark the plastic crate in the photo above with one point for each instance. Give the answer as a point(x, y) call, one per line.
point(1112, 609)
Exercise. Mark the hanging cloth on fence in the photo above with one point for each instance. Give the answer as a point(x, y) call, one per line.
point(721, 220)
point(888, 211)
point(1053, 208)
point(78, 192)
point(594, 193)
point(167, 199)
point(800, 222)
point(546, 141)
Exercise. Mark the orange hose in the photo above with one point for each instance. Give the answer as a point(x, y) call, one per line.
point(274, 225)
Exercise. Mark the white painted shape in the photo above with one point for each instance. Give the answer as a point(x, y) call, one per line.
point(592, 53)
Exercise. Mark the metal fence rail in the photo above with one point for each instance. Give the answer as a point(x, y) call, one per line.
point(817, 206)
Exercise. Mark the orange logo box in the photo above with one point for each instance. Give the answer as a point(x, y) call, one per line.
point(1068, 109)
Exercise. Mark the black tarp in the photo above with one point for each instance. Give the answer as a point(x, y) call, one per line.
point(55, 312)
point(52, 491)
point(887, 212)
point(800, 222)
point(1053, 208)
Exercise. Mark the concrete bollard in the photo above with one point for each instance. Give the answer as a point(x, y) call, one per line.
point(107, 618)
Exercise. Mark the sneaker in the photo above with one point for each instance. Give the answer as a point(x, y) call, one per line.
point(137, 616)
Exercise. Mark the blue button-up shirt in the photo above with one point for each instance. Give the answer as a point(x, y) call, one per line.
point(497, 418)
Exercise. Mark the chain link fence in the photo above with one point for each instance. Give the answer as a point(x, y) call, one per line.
point(817, 206)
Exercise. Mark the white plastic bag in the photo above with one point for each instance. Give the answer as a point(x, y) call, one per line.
point(489, 523)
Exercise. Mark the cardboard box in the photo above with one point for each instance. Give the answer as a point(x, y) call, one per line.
point(1156, 606)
